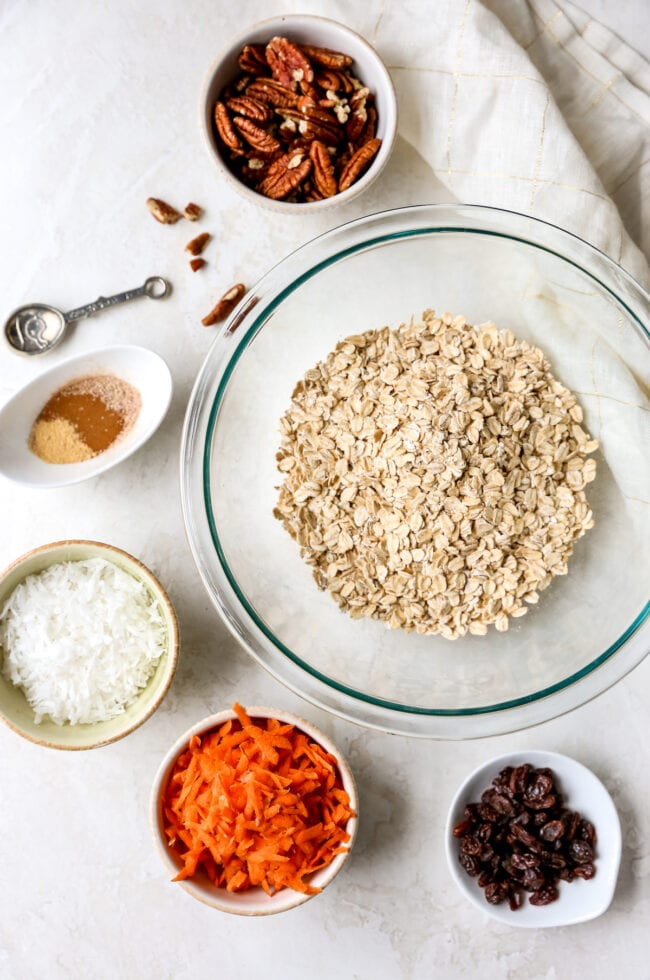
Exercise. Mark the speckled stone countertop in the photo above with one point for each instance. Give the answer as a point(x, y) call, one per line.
point(98, 112)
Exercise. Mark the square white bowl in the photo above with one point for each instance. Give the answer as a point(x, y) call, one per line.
point(579, 900)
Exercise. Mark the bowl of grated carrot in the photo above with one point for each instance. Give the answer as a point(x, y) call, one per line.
point(254, 811)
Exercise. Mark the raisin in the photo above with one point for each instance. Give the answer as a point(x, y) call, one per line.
point(487, 812)
point(544, 896)
point(585, 871)
point(524, 862)
point(462, 828)
point(484, 879)
point(537, 789)
point(552, 830)
point(470, 864)
point(581, 852)
point(470, 845)
point(518, 778)
point(484, 832)
point(514, 899)
point(587, 831)
point(496, 892)
point(543, 803)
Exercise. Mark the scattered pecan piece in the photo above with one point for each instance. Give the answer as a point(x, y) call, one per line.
point(258, 138)
point(192, 212)
point(225, 306)
point(357, 163)
point(287, 62)
point(196, 246)
point(225, 128)
point(285, 175)
point(323, 178)
point(197, 264)
point(163, 212)
point(326, 57)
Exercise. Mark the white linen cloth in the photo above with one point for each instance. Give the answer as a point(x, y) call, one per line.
point(524, 104)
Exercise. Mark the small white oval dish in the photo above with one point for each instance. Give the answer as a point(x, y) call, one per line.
point(579, 900)
point(142, 368)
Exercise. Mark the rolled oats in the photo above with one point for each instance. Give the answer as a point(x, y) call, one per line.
point(434, 475)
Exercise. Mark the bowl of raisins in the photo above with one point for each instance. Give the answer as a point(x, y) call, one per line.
point(533, 839)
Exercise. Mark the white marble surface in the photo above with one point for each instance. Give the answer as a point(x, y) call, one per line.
point(98, 112)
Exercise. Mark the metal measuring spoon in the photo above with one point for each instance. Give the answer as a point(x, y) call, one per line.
point(37, 328)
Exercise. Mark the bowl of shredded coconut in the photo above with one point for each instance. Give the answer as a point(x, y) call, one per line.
point(88, 644)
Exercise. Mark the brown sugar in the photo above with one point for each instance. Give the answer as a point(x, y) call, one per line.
point(84, 418)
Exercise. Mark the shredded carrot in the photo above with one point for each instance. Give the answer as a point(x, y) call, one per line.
point(256, 803)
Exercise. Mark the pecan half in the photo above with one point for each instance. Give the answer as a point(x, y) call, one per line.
point(323, 178)
point(258, 138)
point(197, 264)
point(246, 105)
point(370, 129)
point(253, 60)
point(196, 246)
point(225, 128)
point(357, 163)
point(358, 114)
point(163, 212)
point(326, 57)
point(272, 92)
point(192, 212)
point(225, 306)
point(315, 123)
point(287, 62)
point(331, 80)
point(285, 175)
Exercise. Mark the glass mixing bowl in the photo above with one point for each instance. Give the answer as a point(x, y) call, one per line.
point(547, 286)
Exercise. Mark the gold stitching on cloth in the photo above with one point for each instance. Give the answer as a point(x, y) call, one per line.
point(629, 176)
point(468, 74)
point(610, 398)
point(544, 27)
point(454, 99)
point(540, 180)
point(605, 89)
point(538, 155)
point(570, 53)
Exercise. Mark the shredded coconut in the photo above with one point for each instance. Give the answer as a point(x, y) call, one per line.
point(82, 639)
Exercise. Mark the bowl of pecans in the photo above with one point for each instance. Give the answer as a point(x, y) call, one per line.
point(299, 112)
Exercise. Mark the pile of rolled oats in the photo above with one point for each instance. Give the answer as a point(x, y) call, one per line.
point(434, 475)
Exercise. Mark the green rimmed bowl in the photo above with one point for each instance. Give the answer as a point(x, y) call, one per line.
point(15, 710)
point(549, 287)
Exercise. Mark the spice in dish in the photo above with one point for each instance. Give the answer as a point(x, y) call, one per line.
point(256, 803)
point(84, 418)
point(434, 475)
point(521, 837)
point(82, 639)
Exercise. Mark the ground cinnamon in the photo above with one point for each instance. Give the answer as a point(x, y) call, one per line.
point(84, 418)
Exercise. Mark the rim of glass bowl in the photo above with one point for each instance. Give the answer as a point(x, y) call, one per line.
point(240, 616)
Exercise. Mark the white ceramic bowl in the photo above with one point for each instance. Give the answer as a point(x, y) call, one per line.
point(579, 900)
point(15, 710)
point(321, 32)
point(142, 368)
point(254, 901)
